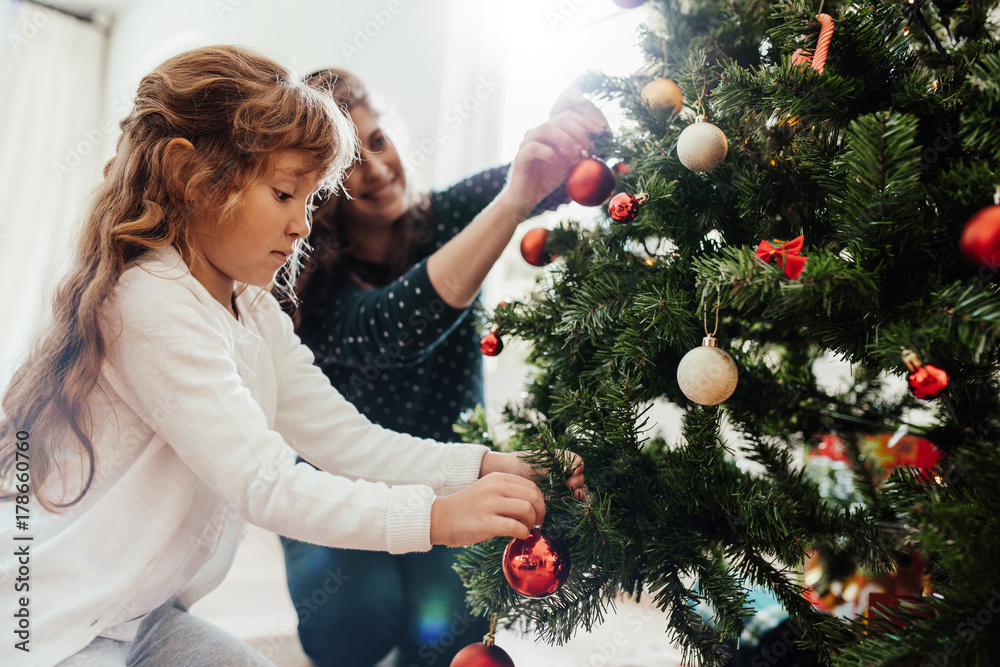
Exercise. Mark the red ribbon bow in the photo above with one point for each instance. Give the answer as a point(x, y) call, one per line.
point(787, 255)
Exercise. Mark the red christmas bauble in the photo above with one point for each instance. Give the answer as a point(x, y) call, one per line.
point(927, 382)
point(533, 247)
point(537, 566)
point(980, 242)
point(621, 169)
point(490, 344)
point(481, 655)
point(590, 182)
point(623, 207)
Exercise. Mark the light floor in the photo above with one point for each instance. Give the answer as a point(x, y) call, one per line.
point(253, 604)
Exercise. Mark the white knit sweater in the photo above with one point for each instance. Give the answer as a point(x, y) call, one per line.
point(197, 420)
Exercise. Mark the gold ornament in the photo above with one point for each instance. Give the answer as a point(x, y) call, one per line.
point(663, 95)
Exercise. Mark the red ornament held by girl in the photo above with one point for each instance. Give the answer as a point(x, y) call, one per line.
point(537, 566)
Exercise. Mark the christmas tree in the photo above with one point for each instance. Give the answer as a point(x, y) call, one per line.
point(804, 181)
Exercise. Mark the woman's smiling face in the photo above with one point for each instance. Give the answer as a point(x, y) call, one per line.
point(377, 183)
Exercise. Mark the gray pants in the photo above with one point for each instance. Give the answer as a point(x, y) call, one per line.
point(170, 637)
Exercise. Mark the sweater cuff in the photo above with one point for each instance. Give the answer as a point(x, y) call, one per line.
point(408, 519)
point(461, 467)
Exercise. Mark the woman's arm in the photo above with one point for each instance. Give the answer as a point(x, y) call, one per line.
point(395, 325)
point(458, 268)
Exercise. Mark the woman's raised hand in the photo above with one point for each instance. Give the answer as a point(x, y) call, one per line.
point(549, 151)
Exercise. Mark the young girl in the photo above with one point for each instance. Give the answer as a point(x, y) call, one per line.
point(169, 397)
point(385, 305)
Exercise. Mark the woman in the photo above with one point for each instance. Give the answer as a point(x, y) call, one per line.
point(385, 306)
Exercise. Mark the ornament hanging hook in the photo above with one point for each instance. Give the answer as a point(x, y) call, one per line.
point(489, 639)
point(718, 304)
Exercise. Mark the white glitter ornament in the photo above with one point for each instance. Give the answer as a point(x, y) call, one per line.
point(706, 374)
point(702, 146)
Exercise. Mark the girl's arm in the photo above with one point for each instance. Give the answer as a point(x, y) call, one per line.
point(309, 409)
point(172, 363)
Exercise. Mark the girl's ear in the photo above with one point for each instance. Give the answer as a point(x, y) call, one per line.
point(179, 161)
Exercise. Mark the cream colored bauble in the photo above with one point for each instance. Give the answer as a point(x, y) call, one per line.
point(702, 146)
point(706, 374)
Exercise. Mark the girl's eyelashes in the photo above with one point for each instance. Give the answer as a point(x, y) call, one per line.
point(282, 196)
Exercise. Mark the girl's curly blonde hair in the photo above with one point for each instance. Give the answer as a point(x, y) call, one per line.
point(237, 108)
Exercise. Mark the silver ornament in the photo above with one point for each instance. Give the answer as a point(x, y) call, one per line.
point(706, 374)
point(702, 146)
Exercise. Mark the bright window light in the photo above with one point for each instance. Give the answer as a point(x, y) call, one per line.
point(548, 44)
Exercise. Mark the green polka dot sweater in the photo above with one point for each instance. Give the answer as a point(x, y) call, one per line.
point(402, 356)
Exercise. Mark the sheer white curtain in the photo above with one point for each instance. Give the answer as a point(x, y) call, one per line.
point(51, 136)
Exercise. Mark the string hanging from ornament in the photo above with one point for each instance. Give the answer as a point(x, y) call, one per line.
point(925, 380)
point(706, 374)
point(485, 653)
point(662, 94)
point(817, 60)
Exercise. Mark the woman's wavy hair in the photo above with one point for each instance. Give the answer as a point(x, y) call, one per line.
point(331, 262)
point(237, 108)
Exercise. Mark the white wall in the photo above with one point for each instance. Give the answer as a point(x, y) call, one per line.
point(420, 55)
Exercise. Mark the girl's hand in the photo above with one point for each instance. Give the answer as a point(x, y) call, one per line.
point(496, 504)
point(514, 463)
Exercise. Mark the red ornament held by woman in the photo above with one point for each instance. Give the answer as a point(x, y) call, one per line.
point(925, 381)
point(590, 182)
point(623, 207)
point(537, 566)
